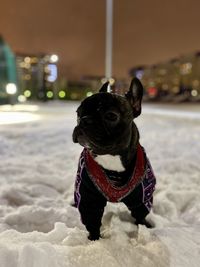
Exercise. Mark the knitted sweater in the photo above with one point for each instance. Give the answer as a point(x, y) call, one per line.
point(94, 187)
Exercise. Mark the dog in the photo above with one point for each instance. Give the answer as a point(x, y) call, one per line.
point(113, 166)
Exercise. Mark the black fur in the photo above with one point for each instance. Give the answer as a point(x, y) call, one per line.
point(106, 126)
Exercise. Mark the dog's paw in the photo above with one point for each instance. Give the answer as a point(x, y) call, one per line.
point(94, 236)
point(144, 222)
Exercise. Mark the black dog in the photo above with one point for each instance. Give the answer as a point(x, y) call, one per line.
point(113, 166)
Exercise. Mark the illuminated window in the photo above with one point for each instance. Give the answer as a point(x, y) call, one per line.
point(53, 73)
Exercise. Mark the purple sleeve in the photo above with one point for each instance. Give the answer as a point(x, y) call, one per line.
point(148, 184)
point(77, 195)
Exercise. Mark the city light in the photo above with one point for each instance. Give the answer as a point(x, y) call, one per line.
point(27, 93)
point(62, 94)
point(111, 81)
point(194, 92)
point(54, 58)
point(53, 73)
point(152, 91)
point(21, 98)
point(89, 94)
point(11, 88)
point(27, 59)
point(186, 68)
point(50, 94)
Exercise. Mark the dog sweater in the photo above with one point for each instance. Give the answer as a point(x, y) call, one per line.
point(93, 188)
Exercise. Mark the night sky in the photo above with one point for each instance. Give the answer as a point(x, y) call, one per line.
point(145, 32)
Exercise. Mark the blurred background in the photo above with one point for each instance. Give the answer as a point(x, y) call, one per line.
point(52, 50)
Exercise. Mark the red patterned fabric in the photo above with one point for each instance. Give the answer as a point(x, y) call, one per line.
point(102, 182)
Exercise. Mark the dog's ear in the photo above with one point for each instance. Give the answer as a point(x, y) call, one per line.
point(134, 96)
point(104, 88)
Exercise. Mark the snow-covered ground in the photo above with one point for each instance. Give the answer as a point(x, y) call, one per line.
point(40, 228)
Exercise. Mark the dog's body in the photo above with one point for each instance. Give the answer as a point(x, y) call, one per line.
point(113, 166)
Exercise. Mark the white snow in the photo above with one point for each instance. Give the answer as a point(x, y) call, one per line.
point(40, 228)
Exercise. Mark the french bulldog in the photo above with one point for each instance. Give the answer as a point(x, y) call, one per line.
point(113, 166)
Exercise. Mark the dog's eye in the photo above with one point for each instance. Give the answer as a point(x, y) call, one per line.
point(111, 116)
point(86, 120)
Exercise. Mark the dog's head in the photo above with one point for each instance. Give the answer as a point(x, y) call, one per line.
point(105, 120)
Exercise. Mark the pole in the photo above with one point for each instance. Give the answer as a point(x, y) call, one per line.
point(109, 31)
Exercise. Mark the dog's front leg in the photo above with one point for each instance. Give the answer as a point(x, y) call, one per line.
point(91, 207)
point(91, 215)
point(89, 201)
point(138, 209)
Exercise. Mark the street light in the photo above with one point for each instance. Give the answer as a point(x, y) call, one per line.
point(54, 58)
point(109, 32)
point(11, 88)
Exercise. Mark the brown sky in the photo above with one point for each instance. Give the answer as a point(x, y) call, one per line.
point(145, 31)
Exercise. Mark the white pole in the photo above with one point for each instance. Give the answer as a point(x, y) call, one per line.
point(109, 31)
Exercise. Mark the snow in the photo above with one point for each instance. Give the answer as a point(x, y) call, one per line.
point(39, 226)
